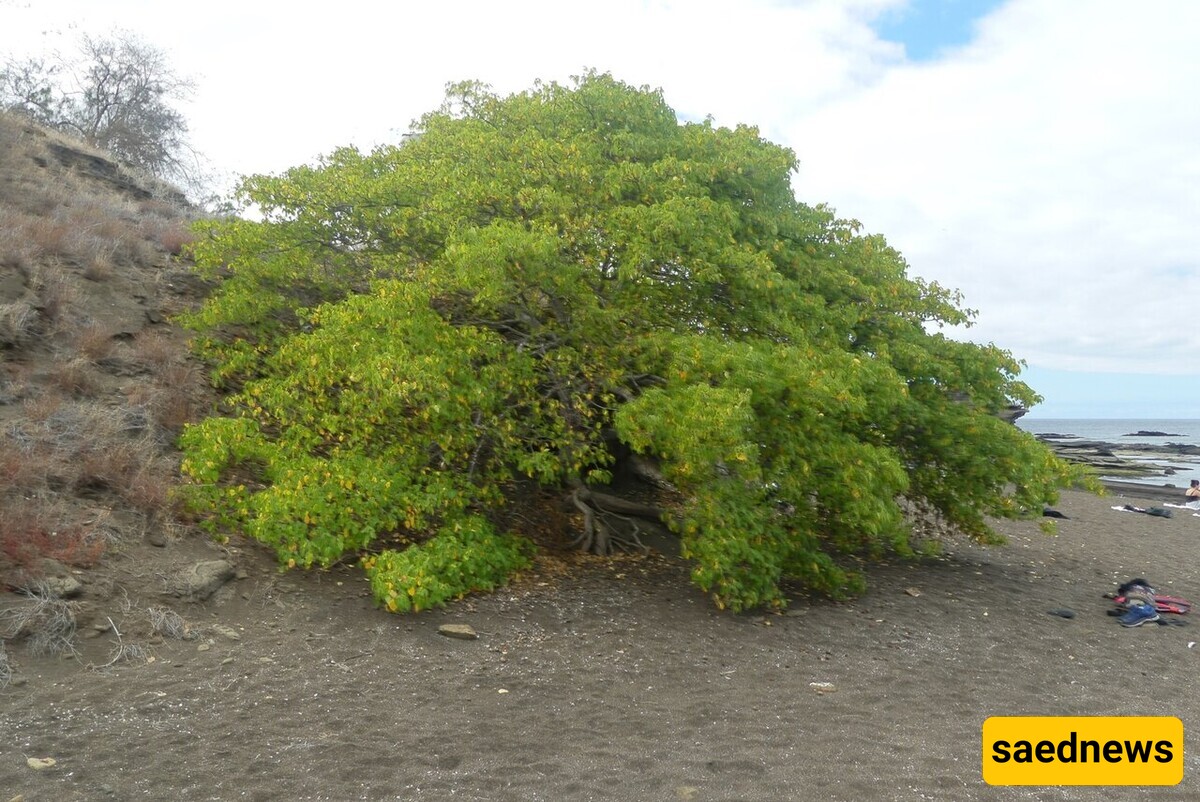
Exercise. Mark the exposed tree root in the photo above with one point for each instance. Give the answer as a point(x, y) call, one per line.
point(610, 522)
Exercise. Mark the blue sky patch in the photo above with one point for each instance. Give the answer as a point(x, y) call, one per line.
point(928, 27)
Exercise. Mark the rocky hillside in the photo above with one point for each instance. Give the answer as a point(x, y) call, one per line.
point(95, 383)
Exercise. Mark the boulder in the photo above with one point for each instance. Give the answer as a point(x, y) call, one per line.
point(200, 580)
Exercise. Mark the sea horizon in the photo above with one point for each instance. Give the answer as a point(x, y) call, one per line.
point(1117, 430)
point(1122, 432)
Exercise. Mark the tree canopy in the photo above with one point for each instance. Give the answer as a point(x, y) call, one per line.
point(569, 287)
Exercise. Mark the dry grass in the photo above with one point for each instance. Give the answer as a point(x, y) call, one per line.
point(18, 324)
point(95, 341)
point(39, 408)
point(32, 530)
point(55, 294)
point(16, 249)
point(149, 490)
point(156, 350)
point(174, 237)
point(128, 653)
point(81, 258)
point(85, 448)
point(75, 377)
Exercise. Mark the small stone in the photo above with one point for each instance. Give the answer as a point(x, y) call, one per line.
point(40, 763)
point(459, 631)
point(912, 592)
point(204, 647)
point(823, 687)
point(156, 538)
point(227, 661)
point(226, 632)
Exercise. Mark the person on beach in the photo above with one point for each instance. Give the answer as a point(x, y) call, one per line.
point(1191, 498)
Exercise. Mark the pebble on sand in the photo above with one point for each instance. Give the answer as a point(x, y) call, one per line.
point(460, 631)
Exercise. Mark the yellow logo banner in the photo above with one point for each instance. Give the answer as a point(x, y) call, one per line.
point(1082, 750)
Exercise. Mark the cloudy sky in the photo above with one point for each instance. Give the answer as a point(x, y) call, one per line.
point(1041, 156)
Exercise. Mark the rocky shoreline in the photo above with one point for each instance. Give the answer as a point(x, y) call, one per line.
point(1119, 461)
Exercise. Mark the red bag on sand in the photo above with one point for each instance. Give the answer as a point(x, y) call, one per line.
point(1164, 604)
point(1143, 592)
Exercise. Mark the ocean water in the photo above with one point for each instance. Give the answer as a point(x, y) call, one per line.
point(1119, 431)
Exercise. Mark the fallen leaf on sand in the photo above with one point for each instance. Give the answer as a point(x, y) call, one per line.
point(823, 687)
point(912, 592)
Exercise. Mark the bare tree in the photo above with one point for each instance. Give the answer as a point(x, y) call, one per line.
point(116, 94)
point(28, 87)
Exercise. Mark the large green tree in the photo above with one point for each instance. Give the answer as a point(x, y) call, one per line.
point(568, 286)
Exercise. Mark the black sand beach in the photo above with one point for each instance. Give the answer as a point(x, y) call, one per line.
point(618, 683)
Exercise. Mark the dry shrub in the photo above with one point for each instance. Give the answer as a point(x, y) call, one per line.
point(160, 207)
point(84, 247)
point(99, 267)
point(168, 623)
point(18, 323)
point(131, 653)
point(175, 408)
point(16, 248)
point(13, 473)
point(45, 619)
point(55, 294)
point(149, 490)
point(47, 200)
point(173, 398)
point(75, 377)
point(110, 466)
point(32, 530)
point(173, 238)
point(179, 402)
point(39, 408)
point(156, 349)
point(53, 235)
point(83, 448)
point(23, 466)
point(142, 252)
point(95, 341)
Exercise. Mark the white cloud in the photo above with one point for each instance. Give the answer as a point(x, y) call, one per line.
point(1048, 168)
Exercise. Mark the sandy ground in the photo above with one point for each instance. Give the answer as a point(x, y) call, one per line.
point(617, 683)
